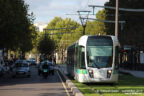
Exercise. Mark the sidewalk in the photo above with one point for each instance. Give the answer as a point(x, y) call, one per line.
point(132, 72)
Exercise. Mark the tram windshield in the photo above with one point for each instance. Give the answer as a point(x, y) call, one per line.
point(99, 52)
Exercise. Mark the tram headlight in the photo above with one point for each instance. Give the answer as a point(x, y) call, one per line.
point(109, 72)
point(91, 73)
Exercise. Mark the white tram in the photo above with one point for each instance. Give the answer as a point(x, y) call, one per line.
point(94, 59)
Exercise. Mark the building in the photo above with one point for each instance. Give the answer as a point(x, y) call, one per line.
point(40, 26)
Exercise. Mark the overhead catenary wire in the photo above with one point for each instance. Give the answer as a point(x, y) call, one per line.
point(92, 14)
point(61, 28)
point(60, 33)
point(107, 21)
point(120, 9)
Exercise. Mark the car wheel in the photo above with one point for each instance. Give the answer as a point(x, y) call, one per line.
point(1, 74)
point(52, 72)
point(39, 72)
point(13, 76)
point(28, 76)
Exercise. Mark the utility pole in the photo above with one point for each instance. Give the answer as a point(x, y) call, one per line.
point(116, 19)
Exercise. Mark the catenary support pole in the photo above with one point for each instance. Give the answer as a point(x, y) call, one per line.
point(116, 19)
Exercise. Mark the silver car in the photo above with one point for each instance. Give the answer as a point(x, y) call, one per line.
point(21, 68)
point(1, 67)
point(1, 70)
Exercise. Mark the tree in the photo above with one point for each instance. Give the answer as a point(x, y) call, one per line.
point(58, 23)
point(97, 27)
point(132, 33)
point(15, 23)
point(46, 45)
point(54, 24)
point(72, 35)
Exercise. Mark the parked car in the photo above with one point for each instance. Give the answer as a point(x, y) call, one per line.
point(21, 68)
point(1, 67)
point(32, 61)
point(1, 70)
point(19, 61)
point(6, 67)
point(10, 63)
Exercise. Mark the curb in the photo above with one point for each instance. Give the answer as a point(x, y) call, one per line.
point(69, 83)
point(126, 73)
point(132, 73)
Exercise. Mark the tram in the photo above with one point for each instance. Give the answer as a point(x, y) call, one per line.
point(94, 59)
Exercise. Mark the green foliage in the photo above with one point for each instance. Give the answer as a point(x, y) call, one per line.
point(16, 31)
point(96, 27)
point(132, 33)
point(126, 83)
point(62, 41)
point(46, 45)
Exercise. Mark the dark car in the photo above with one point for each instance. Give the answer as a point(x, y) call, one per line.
point(40, 67)
point(50, 64)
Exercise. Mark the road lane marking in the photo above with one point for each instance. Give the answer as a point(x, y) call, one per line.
point(63, 85)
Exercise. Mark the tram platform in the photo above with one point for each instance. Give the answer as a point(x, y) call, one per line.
point(135, 73)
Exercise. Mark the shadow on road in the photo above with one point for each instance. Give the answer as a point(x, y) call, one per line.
point(51, 94)
point(35, 78)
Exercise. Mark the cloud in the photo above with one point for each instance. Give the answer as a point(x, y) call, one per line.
point(37, 3)
point(45, 10)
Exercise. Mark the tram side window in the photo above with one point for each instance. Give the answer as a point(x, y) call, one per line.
point(72, 59)
point(116, 57)
point(75, 56)
point(81, 57)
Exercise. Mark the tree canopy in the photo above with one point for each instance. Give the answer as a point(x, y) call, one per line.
point(62, 41)
point(16, 30)
point(46, 45)
point(132, 32)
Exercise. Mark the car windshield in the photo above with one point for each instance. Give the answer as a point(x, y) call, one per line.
point(99, 52)
point(32, 59)
point(50, 64)
point(21, 65)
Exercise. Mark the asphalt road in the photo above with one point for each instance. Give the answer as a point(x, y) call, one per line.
point(33, 86)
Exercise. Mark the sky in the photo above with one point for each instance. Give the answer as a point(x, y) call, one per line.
point(45, 10)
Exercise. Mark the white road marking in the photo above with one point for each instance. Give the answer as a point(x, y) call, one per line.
point(63, 85)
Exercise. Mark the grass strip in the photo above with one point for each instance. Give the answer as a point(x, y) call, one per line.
point(127, 86)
